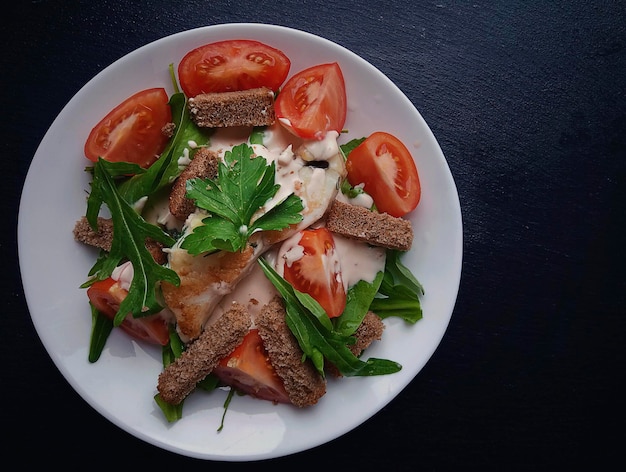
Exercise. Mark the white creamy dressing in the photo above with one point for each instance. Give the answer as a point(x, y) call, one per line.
point(362, 199)
point(123, 274)
point(185, 159)
point(359, 261)
point(288, 167)
point(353, 260)
point(254, 291)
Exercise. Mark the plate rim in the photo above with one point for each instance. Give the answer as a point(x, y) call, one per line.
point(458, 250)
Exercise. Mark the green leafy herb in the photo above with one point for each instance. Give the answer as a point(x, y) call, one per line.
point(231, 394)
point(172, 71)
point(130, 232)
point(101, 327)
point(358, 300)
point(165, 169)
point(319, 342)
point(347, 189)
point(350, 145)
point(244, 185)
point(171, 412)
point(399, 291)
point(256, 137)
point(174, 348)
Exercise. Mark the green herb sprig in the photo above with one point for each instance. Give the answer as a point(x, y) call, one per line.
point(244, 184)
point(316, 336)
point(130, 232)
point(399, 293)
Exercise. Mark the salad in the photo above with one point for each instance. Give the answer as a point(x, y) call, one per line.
point(264, 210)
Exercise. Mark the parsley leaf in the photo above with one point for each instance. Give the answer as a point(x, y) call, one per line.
point(129, 242)
point(244, 184)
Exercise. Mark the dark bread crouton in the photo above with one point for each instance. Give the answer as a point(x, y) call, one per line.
point(370, 330)
point(304, 385)
point(204, 165)
point(377, 229)
point(216, 342)
point(254, 107)
point(103, 238)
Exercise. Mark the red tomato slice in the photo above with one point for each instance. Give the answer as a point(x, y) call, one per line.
point(249, 370)
point(317, 271)
point(313, 102)
point(387, 169)
point(232, 65)
point(132, 131)
point(106, 295)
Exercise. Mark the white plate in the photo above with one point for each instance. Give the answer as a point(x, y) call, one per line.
point(122, 383)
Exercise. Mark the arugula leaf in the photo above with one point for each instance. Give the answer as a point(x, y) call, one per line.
point(171, 412)
point(399, 292)
point(129, 242)
point(165, 169)
point(317, 341)
point(346, 188)
point(244, 184)
point(101, 327)
point(256, 137)
point(358, 300)
point(229, 397)
point(350, 145)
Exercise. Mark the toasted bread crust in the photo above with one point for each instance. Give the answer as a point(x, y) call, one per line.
point(304, 385)
point(377, 229)
point(254, 107)
point(204, 165)
point(103, 238)
point(370, 330)
point(217, 341)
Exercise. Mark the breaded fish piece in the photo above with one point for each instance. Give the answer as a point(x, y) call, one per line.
point(204, 280)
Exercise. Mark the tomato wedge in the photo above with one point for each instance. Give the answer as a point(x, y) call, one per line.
point(317, 272)
point(132, 131)
point(231, 65)
point(249, 370)
point(313, 102)
point(106, 295)
point(386, 168)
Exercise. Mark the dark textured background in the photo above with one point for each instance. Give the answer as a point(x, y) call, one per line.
point(528, 102)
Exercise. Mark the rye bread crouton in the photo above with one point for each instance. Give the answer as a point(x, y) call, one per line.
point(103, 238)
point(254, 107)
point(377, 229)
point(204, 165)
point(216, 342)
point(370, 330)
point(304, 385)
